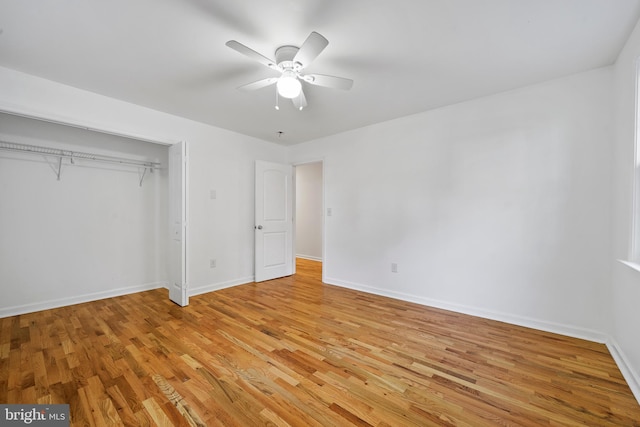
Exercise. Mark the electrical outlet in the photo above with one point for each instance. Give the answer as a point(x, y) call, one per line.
point(394, 267)
point(212, 263)
point(212, 194)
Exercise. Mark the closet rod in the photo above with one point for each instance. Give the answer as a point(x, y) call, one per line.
point(70, 154)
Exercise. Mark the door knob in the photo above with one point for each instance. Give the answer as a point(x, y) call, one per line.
point(259, 227)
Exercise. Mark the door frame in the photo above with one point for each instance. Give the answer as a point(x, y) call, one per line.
point(322, 161)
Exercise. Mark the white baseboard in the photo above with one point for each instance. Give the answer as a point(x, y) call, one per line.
point(309, 257)
point(61, 302)
point(221, 285)
point(629, 374)
point(568, 330)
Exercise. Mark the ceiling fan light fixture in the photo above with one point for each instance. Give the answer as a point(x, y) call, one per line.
point(288, 85)
point(291, 62)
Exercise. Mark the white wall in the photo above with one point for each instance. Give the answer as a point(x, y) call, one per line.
point(498, 207)
point(220, 160)
point(309, 211)
point(625, 288)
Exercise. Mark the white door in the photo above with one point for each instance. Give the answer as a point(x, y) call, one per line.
point(178, 224)
point(273, 221)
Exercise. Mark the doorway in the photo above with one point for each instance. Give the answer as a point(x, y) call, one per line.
point(309, 217)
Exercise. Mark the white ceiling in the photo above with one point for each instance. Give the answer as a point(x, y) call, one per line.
point(405, 56)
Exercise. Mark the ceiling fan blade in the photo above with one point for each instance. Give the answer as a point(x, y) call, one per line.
point(259, 84)
point(299, 101)
point(310, 49)
point(239, 47)
point(328, 81)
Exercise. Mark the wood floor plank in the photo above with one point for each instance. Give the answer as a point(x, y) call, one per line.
point(297, 352)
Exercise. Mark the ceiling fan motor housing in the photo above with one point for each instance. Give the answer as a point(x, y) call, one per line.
point(285, 55)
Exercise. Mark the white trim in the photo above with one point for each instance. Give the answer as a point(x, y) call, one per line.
point(294, 213)
point(630, 264)
point(221, 285)
point(557, 328)
point(324, 218)
point(629, 374)
point(634, 249)
point(309, 257)
point(64, 121)
point(62, 302)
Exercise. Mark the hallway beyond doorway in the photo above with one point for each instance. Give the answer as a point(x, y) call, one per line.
point(307, 268)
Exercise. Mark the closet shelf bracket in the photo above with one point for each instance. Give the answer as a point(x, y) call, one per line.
point(144, 173)
point(59, 168)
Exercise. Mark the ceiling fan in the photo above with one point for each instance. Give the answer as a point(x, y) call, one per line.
point(290, 62)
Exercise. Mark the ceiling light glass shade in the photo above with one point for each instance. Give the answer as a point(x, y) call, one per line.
point(288, 85)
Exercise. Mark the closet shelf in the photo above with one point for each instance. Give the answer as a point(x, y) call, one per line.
point(71, 155)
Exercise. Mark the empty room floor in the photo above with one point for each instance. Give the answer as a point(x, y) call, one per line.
point(294, 351)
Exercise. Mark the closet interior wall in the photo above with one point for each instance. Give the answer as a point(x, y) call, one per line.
point(93, 233)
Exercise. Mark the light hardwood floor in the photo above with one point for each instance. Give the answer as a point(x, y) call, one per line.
point(294, 351)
